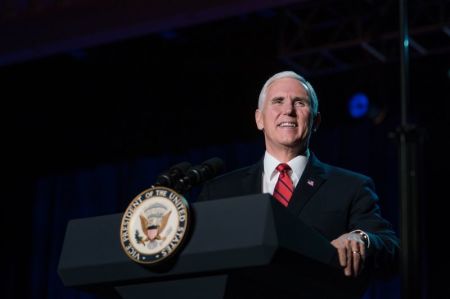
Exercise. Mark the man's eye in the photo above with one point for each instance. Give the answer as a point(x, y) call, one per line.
point(277, 100)
point(300, 103)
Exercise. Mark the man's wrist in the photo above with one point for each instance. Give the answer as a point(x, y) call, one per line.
point(364, 237)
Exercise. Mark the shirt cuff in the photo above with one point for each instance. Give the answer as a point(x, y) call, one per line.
point(364, 236)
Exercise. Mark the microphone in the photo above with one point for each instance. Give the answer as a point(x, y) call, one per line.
point(199, 174)
point(169, 177)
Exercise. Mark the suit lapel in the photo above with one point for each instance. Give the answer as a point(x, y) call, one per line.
point(313, 176)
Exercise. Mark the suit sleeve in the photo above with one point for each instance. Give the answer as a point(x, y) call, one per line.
point(383, 252)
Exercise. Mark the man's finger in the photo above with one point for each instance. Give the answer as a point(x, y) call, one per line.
point(342, 257)
point(348, 268)
point(356, 256)
point(363, 252)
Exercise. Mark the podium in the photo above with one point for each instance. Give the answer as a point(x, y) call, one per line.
point(240, 247)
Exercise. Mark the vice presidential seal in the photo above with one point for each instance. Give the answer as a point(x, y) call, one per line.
point(154, 225)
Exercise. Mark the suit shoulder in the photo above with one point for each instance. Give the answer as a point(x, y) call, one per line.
point(233, 175)
point(345, 173)
point(231, 184)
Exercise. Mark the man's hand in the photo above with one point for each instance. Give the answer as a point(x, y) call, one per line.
point(352, 253)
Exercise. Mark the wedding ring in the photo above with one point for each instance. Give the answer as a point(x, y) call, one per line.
point(356, 252)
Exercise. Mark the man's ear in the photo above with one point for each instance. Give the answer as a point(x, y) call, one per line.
point(259, 120)
point(316, 122)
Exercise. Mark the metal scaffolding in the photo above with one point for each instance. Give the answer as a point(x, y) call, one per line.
point(323, 37)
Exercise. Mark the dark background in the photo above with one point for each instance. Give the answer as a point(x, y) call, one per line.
point(88, 125)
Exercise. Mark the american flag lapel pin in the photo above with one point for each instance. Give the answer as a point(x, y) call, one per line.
point(310, 182)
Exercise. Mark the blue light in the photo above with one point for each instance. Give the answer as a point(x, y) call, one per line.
point(406, 43)
point(358, 105)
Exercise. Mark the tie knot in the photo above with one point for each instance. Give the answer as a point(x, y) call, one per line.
point(283, 168)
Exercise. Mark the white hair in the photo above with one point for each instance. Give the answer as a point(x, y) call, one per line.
point(289, 74)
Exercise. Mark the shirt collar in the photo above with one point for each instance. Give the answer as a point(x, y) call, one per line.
point(297, 165)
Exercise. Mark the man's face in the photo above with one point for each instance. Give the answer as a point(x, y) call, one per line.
point(285, 116)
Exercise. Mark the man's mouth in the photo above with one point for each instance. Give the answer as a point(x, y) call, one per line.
point(288, 125)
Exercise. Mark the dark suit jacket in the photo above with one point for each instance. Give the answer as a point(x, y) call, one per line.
point(331, 200)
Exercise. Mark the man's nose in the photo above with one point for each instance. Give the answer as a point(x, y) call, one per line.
point(288, 107)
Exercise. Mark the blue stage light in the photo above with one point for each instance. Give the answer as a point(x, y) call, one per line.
point(358, 105)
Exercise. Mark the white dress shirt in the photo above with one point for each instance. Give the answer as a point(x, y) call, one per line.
point(270, 174)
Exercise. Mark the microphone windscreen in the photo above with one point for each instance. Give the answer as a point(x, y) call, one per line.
point(215, 166)
point(169, 177)
point(181, 167)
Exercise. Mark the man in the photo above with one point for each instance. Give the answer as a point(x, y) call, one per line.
point(339, 204)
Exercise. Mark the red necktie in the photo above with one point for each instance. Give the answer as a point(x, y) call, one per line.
point(284, 187)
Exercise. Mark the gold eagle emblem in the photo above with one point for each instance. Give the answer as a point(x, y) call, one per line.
point(153, 227)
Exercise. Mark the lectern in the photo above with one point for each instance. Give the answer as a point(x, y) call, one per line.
point(240, 247)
